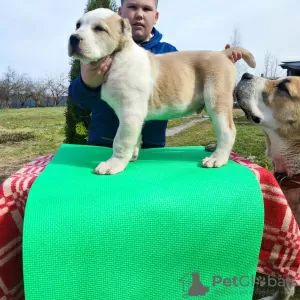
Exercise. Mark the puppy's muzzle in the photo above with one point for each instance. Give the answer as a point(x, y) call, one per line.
point(74, 41)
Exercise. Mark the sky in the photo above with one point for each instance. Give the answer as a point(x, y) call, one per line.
point(34, 33)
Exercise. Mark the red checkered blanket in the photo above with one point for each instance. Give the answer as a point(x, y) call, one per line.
point(279, 254)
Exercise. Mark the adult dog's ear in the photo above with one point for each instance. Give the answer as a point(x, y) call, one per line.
point(125, 28)
point(294, 88)
point(291, 87)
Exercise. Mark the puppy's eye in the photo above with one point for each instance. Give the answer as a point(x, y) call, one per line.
point(99, 28)
point(78, 25)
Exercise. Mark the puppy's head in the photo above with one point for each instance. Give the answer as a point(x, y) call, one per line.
point(271, 104)
point(98, 33)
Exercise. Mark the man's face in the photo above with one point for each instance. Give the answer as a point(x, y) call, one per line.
point(142, 15)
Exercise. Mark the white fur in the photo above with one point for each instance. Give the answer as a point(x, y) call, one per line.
point(225, 135)
point(127, 93)
point(225, 141)
point(258, 107)
point(92, 47)
point(125, 87)
point(276, 150)
point(97, 14)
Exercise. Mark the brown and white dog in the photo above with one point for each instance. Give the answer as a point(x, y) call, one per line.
point(274, 107)
point(141, 86)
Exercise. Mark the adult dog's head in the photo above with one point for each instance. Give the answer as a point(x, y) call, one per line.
point(99, 33)
point(272, 105)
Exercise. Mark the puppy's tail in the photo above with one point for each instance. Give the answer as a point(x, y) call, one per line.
point(246, 55)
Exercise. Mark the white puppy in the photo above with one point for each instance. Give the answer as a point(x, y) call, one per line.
point(141, 86)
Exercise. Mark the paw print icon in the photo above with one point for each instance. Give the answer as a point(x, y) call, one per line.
point(261, 281)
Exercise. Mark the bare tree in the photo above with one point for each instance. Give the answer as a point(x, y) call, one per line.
point(57, 88)
point(24, 91)
point(271, 65)
point(39, 92)
point(2, 93)
point(267, 63)
point(236, 40)
point(11, 86)
point(274, 66)
point(8, 83)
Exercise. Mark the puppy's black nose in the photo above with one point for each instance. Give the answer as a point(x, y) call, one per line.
point(247, 76)
point(74, 40)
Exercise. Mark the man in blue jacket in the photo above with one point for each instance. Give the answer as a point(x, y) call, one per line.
point(85, 89)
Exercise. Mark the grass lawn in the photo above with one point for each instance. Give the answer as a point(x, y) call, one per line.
point(28, 133)
point(250, 141)
point(31, 132)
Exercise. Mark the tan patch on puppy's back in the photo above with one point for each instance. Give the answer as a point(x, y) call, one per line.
point(191, 68)
point(175, 81)
point(189, 76)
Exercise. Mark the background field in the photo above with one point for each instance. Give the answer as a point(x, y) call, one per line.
point(31, 132)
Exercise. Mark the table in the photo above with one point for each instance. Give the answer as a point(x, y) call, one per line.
point(280, 249)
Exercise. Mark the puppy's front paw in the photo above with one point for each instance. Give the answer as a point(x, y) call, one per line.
point(215, 160)
point(110, 167)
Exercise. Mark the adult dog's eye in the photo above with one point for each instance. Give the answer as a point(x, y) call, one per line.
point(282, 86)
point(78, 25)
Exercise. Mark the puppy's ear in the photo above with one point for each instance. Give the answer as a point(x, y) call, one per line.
point(125, 28)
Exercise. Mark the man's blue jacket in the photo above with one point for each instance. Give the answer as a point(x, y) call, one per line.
point(104, 122)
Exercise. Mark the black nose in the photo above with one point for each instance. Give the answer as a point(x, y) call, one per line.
point(74, 40)
point(247, 76)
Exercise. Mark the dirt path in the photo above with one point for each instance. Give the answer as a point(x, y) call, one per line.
point(177, 129)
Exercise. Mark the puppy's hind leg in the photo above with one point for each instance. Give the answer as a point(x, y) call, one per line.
point(219, 108)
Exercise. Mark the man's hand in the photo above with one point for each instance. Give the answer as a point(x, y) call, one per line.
point(235, 55)
point(94, 74)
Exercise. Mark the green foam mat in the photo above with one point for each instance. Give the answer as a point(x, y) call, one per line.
point(164, 229)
